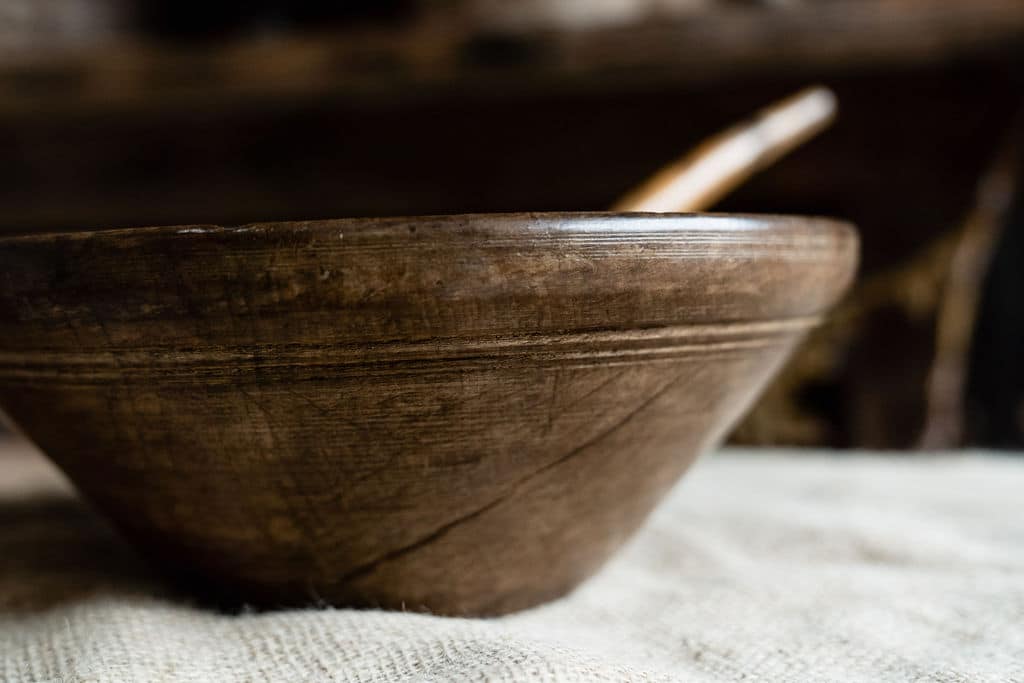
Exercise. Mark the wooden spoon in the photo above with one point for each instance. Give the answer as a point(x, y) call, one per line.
point(724, 161)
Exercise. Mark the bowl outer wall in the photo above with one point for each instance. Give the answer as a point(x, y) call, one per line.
point(409, 410)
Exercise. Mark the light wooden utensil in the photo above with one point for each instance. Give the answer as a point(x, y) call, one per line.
point(724, 161)
point(457, 414)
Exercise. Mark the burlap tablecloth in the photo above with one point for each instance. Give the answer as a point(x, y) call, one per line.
point(760, 566)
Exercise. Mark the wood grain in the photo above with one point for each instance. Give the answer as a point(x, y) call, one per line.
point(462, 414)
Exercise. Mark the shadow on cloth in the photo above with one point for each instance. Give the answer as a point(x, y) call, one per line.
point(54, 549)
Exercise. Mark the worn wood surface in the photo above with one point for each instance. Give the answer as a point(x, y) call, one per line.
point(465, 414)
point(236, 165)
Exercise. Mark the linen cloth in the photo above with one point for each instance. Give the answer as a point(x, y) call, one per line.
point(768, 566)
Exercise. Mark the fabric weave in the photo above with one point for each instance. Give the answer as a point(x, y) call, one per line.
point(766, 566)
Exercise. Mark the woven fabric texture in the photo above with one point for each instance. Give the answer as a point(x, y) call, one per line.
point(766, 566)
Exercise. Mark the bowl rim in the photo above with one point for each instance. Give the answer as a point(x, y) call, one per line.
point(611, 222)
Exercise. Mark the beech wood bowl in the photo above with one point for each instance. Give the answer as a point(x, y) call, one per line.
point(463, 414)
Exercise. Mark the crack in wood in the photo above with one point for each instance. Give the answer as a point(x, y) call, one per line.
point(371, 566)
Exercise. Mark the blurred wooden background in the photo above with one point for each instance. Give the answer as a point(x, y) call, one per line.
point(122, 112)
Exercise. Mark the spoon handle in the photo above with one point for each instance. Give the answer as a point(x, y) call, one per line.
point(724, 161)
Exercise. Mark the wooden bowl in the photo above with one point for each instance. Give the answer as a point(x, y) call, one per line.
point(463, 414)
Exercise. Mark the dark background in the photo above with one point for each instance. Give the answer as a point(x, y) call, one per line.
point(120, 113)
